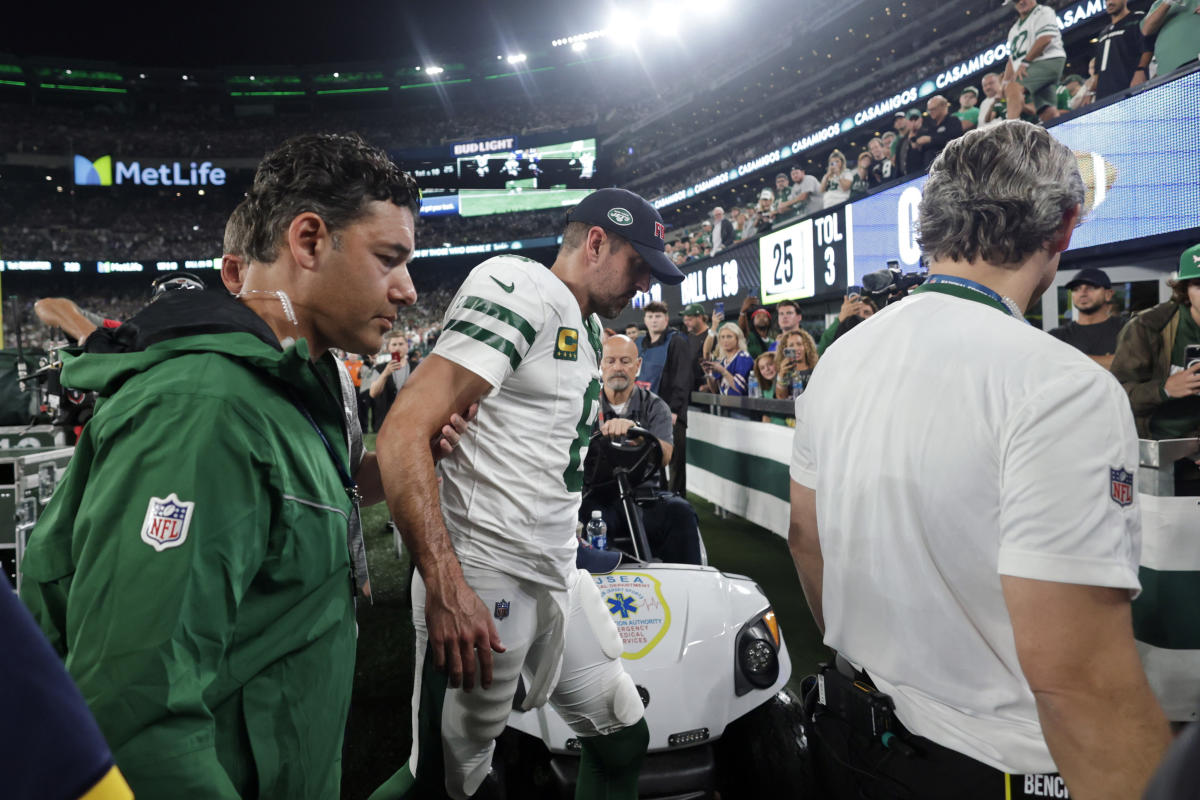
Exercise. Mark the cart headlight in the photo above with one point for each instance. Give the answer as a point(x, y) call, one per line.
point(756, 653)
point(757, 656)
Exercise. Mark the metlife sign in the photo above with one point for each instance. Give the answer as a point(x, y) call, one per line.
point(104, 171)
point(994, 57)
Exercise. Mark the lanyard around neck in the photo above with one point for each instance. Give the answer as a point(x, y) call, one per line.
point(967, 289)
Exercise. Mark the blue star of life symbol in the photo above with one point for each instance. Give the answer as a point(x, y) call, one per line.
point(623, 605)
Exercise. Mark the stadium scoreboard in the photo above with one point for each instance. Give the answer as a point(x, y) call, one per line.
point(565, 165)
point(809, 258)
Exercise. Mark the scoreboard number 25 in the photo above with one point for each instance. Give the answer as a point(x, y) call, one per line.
point(807, 258)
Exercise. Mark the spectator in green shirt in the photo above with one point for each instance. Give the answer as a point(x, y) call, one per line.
point(1177, 25)
point(756, 325)
point(968, 108)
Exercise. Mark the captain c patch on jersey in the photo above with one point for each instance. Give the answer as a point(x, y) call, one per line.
point(166, 523)
point(566, 346)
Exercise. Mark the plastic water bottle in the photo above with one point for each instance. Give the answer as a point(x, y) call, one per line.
point(752, 389)
point(597, 531)
point(797, 385)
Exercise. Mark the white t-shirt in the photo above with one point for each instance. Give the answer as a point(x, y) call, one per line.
point(984, 108)
point(834, 193)
point(943, 440)
point(807, 184)
point(1028, 29)
point(511, 490)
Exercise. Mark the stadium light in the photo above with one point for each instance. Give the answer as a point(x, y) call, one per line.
point(622, 22)
point(579, 47)
point(434, 70)
point(577, 38)
point(519, 58)
point(337, 74)
point(708, 7)
point(663, 20)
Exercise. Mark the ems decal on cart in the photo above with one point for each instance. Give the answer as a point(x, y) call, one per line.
point(636, 603)
point(166, 523)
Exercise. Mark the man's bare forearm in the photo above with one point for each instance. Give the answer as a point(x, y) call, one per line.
point(805, 545)
point(410, 482)
point(1106, 743)
point(1038, 48)
point(1153, 21)
point(58, 312)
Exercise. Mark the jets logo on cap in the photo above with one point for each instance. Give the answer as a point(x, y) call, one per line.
point(620, 216)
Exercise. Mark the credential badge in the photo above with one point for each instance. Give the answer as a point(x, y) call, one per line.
point(166, 523)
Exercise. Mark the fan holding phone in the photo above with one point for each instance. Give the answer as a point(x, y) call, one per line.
point(1158, 360)
point(729, 366)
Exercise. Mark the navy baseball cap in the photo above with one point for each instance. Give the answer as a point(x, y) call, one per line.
point(1091, 275)
point(630, 217)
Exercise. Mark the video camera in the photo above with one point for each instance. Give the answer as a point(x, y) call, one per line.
point(890, 284)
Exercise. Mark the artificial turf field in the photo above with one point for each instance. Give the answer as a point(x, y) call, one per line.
point(377, 737)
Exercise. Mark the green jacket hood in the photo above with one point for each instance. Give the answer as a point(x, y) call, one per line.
point(181, 323)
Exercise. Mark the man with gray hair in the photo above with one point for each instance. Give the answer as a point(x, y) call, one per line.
point(722, 231)
point(974, 577)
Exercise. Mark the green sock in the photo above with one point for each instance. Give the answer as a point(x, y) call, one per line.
point(609, 766)
point(394, 787)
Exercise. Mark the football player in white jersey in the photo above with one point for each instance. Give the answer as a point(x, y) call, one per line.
point(497, 592)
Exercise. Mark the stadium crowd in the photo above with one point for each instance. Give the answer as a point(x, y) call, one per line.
point(35, 223)
point(64, 131)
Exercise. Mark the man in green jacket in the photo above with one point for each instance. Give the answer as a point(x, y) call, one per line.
point(192, 568)
point(1151, 360)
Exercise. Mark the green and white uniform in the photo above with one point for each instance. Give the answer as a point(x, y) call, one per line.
point(1045, 72)
point(511, 490)
point(1039, 22)
point(510, 498)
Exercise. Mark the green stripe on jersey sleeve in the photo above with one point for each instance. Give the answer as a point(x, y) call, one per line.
point(493, 340)
point(503, 314)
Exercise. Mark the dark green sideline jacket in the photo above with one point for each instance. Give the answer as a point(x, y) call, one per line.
point(192, 568)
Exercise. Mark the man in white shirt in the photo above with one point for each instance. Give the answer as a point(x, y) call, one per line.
point(967, 565)
point(497, 594)
point(991, 93)
point(722, 231)
point(1036, 59)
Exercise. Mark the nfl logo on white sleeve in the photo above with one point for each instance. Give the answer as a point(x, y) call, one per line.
point(166, 523)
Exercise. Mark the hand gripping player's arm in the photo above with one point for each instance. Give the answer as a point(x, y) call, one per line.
point(459, 624)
